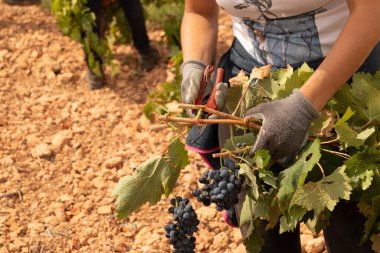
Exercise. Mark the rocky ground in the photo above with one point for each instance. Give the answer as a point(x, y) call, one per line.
point(64, 148)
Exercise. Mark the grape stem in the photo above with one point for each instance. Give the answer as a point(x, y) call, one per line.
point(336, 153)
point(232, 152)
point(177, 137)
point(331, 141)
point(168, 125)
point(321, 168)
point(241, 99)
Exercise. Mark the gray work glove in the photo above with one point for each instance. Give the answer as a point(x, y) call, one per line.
point(192, 74)
point(285, 126)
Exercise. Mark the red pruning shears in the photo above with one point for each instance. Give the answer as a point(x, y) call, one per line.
point(211, 100)
point(206, 76)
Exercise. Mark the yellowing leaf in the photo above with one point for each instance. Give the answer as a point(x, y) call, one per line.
point(239, 80)
point(261, 73)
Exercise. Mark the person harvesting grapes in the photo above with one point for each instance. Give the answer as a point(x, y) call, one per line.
point(335, 37)
point(133, 10)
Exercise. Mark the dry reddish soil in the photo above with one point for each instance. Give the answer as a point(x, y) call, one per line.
point(64, 148)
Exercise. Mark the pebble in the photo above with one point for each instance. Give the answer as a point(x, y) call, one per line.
point(304, 239)
point(50, 75)
point(105, 209)
point(59, 211)
point(316, 245)
point(206, 213)
point(65, 78)
point(114, 162)
point(51, 221)
point(37, 227)
point(60, 139)
point(190, 179)
point(239, 249)
point(221, 239)
point(6, 161)
point(42, 151)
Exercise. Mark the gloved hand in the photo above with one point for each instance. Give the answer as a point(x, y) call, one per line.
point(192, 75)
point(285, 126)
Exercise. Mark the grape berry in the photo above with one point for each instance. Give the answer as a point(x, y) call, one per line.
point(221, 186)
point(186, 223)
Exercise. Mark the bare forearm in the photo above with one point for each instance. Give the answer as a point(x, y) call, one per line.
point(199, 30)
point(354, 44)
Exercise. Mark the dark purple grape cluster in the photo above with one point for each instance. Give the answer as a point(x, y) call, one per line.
point(221, 186)
point(180, 232)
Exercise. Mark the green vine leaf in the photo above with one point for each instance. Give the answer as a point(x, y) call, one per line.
point(253, 188)
point(290, 220)
point(295, 175)
point(363, 98)
point(254, 241)
point(296, 80)
point(347, 135)
point(249, 139)
point(361, 168)
point(323, 194)
point(152, 178)
point(372, 212)
point(247, 214)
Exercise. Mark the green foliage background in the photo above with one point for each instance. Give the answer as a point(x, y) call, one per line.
point(77, 21)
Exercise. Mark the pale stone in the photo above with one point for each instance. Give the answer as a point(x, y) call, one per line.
point(114, 162)
point(190, 179)
point(143, 235)
point(105, 209)
point(65, 198)
point(91, 232)
point(304, 239)
point(51, 221)
point(37, 227)
point(221, 239)
point(206, 213)
point(316, 245)
point(60, 139)
point(6, 161)
point(42, 151)
point(99, 183)
point(240, 249)
point(50, 75)
point(59, 211)
point(65, 78)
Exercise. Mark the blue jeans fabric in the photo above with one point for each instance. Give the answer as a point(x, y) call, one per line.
point(237, 58)
point(346, 225)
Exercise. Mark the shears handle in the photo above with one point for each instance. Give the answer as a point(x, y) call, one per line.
point(206, 76)
point(219, 78)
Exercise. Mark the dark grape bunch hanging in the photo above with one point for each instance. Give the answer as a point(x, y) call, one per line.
point(180, 232)
point(221, 186)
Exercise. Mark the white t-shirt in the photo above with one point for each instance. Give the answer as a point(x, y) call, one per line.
point(281, 32)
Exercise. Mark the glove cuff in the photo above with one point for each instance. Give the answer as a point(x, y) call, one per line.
point(304, 103)
point(192, 64)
